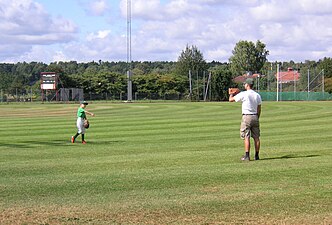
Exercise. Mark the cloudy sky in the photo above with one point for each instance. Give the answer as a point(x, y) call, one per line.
point(86, 30)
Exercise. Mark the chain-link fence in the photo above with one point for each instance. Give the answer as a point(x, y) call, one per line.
point(75, 95)
point(296, 96)
point(19, 95)
point(137, 96)
point(291, 85)
point(70, 95)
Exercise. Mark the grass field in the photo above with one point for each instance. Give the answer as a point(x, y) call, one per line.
point(165, 163)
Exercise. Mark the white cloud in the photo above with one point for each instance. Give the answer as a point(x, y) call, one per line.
point(102, 45)
point(25, 23)
point(97, 7)
point(162, 30)
point(292, 30)
point(217, 53)
point(25, 17)
point(313, 7)
point(300, 31)
point(99, 35)
point(141, 10)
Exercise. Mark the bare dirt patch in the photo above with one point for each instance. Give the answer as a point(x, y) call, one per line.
point(87, 215)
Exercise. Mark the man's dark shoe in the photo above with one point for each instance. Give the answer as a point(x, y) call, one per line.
point(256, 157)
point(245, 158)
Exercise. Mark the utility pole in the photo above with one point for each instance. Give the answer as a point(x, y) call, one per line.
point(278, 76)
point(129, 60)
point(190, 85)
point(308, 84)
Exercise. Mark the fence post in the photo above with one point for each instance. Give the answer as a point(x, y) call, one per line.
point(323, 84)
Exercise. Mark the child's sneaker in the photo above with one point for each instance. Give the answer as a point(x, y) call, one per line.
point(83, 142)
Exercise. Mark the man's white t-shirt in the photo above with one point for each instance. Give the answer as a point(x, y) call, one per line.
point(250, 101)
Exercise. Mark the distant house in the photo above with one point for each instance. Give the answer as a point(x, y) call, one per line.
point(289, 76)
point(284, 77)
point(242, 79)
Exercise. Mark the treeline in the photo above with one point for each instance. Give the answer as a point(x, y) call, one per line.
point(148, 77)
point(110, 77)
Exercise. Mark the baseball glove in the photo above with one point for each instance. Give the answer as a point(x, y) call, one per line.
point(86, 124)
point(233, 91)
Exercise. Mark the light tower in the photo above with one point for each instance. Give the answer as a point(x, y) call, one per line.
point(129, 60)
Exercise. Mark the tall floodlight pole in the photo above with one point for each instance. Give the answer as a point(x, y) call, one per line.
point(294, 84)
point(129, 60)
point(278, 74)
point(308, 83)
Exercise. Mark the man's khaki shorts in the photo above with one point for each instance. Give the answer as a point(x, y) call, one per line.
point(249, 126)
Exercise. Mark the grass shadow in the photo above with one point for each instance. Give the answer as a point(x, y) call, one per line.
point(102, 142)
point(291, 157)
point(57, 143)
point(35, 144)
point(16, 145)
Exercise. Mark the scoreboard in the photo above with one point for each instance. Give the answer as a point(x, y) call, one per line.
point(49, 81)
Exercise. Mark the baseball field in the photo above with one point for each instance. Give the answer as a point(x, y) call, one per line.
point(164, 163)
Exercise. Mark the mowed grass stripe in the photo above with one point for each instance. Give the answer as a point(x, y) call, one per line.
point(165, 163)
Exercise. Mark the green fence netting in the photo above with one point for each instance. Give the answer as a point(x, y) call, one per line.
point(296, 96)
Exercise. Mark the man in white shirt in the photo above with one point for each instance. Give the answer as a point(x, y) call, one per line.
point(251, 111)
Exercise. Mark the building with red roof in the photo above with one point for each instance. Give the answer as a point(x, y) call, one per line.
point(242, 79)
point(289, 76)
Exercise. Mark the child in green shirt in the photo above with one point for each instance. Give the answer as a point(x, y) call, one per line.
point(81, 116)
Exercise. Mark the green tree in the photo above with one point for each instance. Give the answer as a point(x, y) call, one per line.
point(107, 82)
point(190, 59)
point(36, 70)
point(307, 69)
point(6, 80)
point(170, 84)
point(220, 82)
point(18, 85)
point(328, 85)
point(146, 83)
point(248, 57)
point(326, 65)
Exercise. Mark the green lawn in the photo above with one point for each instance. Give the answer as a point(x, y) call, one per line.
point(165, 163)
